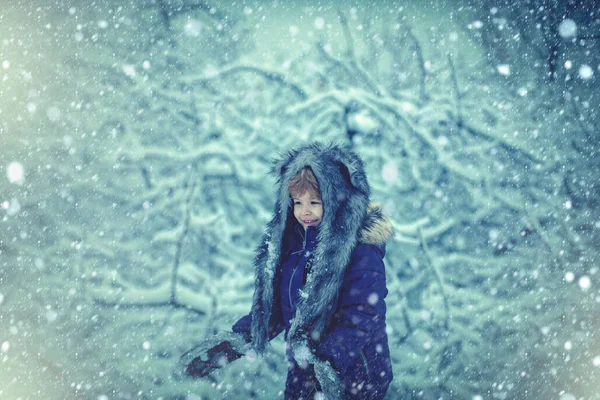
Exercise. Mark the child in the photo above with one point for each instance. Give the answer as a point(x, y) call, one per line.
point(320, 278)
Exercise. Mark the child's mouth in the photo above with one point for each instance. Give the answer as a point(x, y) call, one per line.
point(309, 222)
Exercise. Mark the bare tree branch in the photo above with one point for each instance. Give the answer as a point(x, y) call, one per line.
point(457, 92)
point(271, 75)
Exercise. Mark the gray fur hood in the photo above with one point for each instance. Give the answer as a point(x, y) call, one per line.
point(347, 220)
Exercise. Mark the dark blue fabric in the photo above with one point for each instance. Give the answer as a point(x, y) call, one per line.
point(355, 342)
point(293, 269)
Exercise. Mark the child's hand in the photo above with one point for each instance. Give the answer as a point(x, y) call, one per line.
point(216, 357)
point(212, 353)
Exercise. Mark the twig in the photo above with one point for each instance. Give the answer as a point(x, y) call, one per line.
point(533, 222)
point(589, 133)
point(333, 60)
point(436, 275)
point(271, 75)
point(502, 142)
point(336, 96)
point(410, 228)
point(457, 93)
point(184, 232)
point(351, 54)
point(347, 35)
point(421, 64)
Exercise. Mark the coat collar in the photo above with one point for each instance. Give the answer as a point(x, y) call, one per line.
point(376, 228)
point(302, 240)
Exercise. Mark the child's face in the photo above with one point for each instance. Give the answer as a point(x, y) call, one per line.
point(308, 210)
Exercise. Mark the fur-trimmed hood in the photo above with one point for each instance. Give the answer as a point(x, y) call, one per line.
point(347, 220)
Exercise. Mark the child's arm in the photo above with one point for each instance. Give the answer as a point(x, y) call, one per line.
point(225, 348)
point(222, 349)
point(361, 310)
point(244, 325)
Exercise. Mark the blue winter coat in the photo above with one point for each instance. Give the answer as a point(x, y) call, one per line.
point(355, 341)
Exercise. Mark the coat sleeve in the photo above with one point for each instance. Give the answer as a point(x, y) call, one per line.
point(244, 324)
point(360, 311)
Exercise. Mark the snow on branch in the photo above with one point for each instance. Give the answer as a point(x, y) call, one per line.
point(268, 74)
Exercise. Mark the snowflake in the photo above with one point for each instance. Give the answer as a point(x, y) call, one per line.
point(15, 173)
point(503, 69)
point(567, 28)
point(586, 72)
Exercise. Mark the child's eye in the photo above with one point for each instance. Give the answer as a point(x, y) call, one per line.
point(296, 203)
point(316, 202)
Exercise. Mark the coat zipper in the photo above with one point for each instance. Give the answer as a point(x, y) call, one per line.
point(290, 286)
point(294, 272)
point(364, 361)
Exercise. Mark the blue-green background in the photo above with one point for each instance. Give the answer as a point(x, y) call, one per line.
point(135, 139)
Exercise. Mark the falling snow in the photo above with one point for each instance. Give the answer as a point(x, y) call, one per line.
point(12, 207)
point(585, 282)
point(390, 171)
point(503, 69)
point(15, 173)
point(319, 23)
point(568, 396)
point(586, 72)
point(477, 24)
point(373, 299)
point(193, 28)
point(567, 28)
point(53, 113)
point(129, 70)
point(135, 149)
point(5, 347)
point(569, 277)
